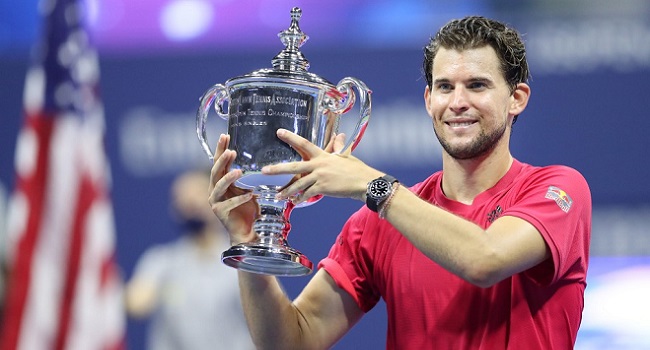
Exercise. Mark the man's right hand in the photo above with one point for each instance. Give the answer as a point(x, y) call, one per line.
point(236, 208)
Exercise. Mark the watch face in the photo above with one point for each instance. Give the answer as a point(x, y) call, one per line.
point(379, 188)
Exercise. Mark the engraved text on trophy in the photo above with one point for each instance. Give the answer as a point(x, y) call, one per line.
point(255, 116)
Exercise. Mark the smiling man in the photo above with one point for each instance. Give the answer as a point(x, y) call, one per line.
point(489, 253)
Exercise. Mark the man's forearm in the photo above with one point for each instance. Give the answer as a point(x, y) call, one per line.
point(272, 320)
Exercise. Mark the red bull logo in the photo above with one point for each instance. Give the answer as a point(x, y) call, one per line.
point(560, 197)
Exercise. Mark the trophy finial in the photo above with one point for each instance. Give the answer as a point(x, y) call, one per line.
point(296, 12)
point(293, 38)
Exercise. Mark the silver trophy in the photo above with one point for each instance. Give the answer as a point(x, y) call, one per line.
point(258, 104)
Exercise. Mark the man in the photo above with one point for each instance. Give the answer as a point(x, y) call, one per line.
point(183, 285)
point(489, 253)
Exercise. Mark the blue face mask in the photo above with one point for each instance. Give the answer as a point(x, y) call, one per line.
point(191, 225)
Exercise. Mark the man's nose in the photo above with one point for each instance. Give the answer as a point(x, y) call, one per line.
point(459, 100)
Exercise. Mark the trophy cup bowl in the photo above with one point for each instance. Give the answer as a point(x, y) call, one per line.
point(255, 106)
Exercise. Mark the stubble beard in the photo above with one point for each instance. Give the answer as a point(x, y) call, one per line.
point(481, 145)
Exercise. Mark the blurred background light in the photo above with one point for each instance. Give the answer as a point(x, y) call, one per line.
point(186, 19)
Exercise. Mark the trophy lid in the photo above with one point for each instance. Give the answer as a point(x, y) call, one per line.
point(293, 38)
point(289, 63)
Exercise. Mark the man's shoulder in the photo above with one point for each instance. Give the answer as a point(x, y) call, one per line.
point(551, 171)
point(554, 177)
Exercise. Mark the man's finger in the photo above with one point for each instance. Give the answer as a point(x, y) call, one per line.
point(306, 149)
point(221, 165)
point(339, 143)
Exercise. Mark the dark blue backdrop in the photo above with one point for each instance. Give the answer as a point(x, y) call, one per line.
point(587, 110)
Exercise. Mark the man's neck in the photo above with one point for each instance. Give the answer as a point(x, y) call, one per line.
point(465, 179)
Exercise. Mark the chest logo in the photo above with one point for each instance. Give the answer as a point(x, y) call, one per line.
point(494, 214)
point(560, 197)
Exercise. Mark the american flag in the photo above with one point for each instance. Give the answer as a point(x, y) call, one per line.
point(64, 289)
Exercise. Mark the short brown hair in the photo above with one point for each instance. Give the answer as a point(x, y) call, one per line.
point(474, 32)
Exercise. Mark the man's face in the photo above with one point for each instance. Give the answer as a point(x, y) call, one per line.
point(469, 102)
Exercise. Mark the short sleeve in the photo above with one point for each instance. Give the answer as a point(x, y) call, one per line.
point(557, 201)
point(348, 261)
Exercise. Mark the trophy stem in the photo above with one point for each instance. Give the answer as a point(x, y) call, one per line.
point(270, 253)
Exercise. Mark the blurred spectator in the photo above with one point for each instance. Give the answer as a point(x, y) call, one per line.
point(192, 297)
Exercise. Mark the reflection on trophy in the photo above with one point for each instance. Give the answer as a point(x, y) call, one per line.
point(260, 103)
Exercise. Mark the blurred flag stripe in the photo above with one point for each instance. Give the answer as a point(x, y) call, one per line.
point(65, 289)
point(84, 201)
point(33, 188)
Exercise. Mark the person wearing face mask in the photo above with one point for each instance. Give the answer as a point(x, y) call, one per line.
point(183, 286)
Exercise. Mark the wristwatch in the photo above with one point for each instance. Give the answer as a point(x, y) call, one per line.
point(378, 191)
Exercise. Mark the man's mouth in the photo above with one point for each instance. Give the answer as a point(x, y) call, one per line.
point(460, 124)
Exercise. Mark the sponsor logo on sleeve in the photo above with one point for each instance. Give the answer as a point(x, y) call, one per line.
point(560, 197)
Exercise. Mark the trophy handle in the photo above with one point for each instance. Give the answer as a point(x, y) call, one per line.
point(219, 93)
point(345, 87)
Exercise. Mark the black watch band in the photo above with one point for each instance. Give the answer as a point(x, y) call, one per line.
point(378, 191)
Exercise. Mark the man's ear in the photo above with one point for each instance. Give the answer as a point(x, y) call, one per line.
point(427, 95)
point(519, 99)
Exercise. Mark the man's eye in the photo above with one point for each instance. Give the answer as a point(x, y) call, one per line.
point(445, 87)
point(477, 85)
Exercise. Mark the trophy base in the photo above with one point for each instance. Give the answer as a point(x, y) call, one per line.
point(267, 259)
